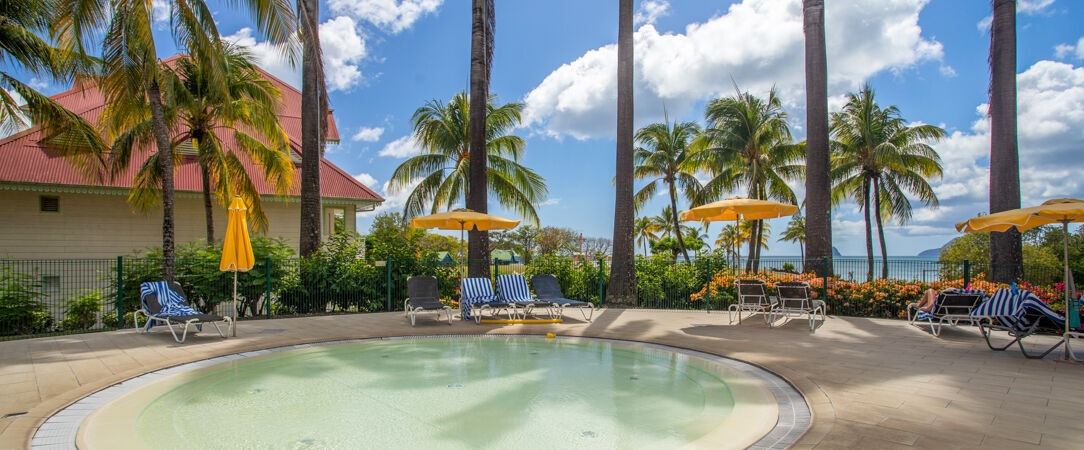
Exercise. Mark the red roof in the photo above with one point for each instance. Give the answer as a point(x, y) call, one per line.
point(23, 160)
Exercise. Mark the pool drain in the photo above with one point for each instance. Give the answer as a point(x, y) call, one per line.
point(455, 386)
point(588, 434)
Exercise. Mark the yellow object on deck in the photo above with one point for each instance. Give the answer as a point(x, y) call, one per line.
point(550, 336)
point(523, 320)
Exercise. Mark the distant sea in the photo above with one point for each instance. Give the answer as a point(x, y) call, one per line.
point(853, 268)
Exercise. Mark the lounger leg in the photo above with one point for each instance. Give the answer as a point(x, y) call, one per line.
point(1020, 343)
point(986, 335)
point(410, 314)
point(592, 312)
point(171, 330)
point(447, 310)
point(935, 328)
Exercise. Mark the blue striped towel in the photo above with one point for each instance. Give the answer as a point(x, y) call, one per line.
point(924, 315)
point(513, 289)
point(474, 291)
point(1010, 308)
point(172, 303)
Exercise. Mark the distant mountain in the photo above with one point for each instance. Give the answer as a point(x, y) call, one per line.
point(931, 253)
point(835, 252)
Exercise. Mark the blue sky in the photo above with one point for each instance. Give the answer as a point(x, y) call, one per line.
point(386, 58)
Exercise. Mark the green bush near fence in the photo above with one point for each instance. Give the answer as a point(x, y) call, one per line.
point(204, 285)
point(109, 320)
point(21, 309)
point(660, 283)
point(82, 312)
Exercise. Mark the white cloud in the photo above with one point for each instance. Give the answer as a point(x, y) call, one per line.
point(1028, 7)
point(365, 179)
point(677, 70)
point(368, 134)
point(161, 10)
point(392, 16)
point(37, 84)
point(550, 202)
point(403, 147)
point(1064, 51)
point(947, 71)
point(11, 125)
point(650, 11)
point(343, 46)
point(1050, 119)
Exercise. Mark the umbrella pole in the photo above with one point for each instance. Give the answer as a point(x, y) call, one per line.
point(462, 252)
point(233, 323)
point(1068, 296)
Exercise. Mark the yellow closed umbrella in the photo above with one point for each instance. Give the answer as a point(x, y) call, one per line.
point(236, 249)
point(463, 219)
point(1058, 210)
point(736, 209)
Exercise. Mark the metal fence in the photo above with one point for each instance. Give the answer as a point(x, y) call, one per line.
point(48, 297)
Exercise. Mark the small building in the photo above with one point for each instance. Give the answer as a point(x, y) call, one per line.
point(505, 257)
point(445, 258)
point(50, 210)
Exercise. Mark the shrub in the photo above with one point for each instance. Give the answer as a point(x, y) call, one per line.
point(109, 320)
point(21, 311)
point(82, 311)
point(661, 283)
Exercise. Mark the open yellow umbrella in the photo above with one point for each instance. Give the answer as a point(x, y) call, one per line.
point(1058, 210)
point(236, 249)
point(738, 208)
point(463, 219)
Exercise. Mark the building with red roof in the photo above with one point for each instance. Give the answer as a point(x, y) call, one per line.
point(49, 209)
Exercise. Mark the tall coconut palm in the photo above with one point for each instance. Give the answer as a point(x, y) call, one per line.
point(664, 157)
point(795, 232)
point(131, 69)
point(1006, 254)
point(730, 238)
point(817, 179)
point(314, 109)
point(749, 147)
point(220, 119)
point(21, 24)
point(443, 129)
point(483, 22)
point(622, 288)
point(646, 232)
point(877, 158)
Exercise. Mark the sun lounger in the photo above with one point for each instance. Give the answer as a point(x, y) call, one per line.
point(951, 306)
point(547, 288)
point(476, 296)
point(795, 300)
point(164, 303)
point(752, 297)
point(513, 289)
point(424, 295)
point(1021, 315)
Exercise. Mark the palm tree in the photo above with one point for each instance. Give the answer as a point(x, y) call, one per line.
point(131, 69)
point(646, 232)
point(817, 180)
point(622, 288)
point(314, 109)
point(444, 130)
point(483, 22)
point(749, 146)
point(664, 158)
point(1006, 254)
point(21, 22)
point(878, 157)
point(201, 110)
point(795, 232)
point(731, 237)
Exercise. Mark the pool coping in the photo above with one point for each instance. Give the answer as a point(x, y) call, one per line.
point(795, 414)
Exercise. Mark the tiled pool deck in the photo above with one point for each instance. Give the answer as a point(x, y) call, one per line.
point(870, 383)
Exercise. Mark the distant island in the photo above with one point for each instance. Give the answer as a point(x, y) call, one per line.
point(931, 253)
point(835, 252)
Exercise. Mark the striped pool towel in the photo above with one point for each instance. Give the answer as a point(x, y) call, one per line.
point(1011, 309)
point(927, 315)
point(172, 303)
point(473, 291)
point(513, 289)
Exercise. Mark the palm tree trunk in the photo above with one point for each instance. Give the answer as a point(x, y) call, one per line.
point(208, 207)
point(1006, 255)
point(869, 231)
point(759, 241)
point(313, 115)
point(478, 241)
point(622, 288)
point(165, 161)
point(677, 225)
point(818, 235)
point(880, 228)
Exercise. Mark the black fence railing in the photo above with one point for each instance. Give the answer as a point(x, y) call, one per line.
point(48, 297)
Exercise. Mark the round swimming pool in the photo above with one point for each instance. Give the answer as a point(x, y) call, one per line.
point(445, 392)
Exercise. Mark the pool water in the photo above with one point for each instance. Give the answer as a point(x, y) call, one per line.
point(444, 393)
